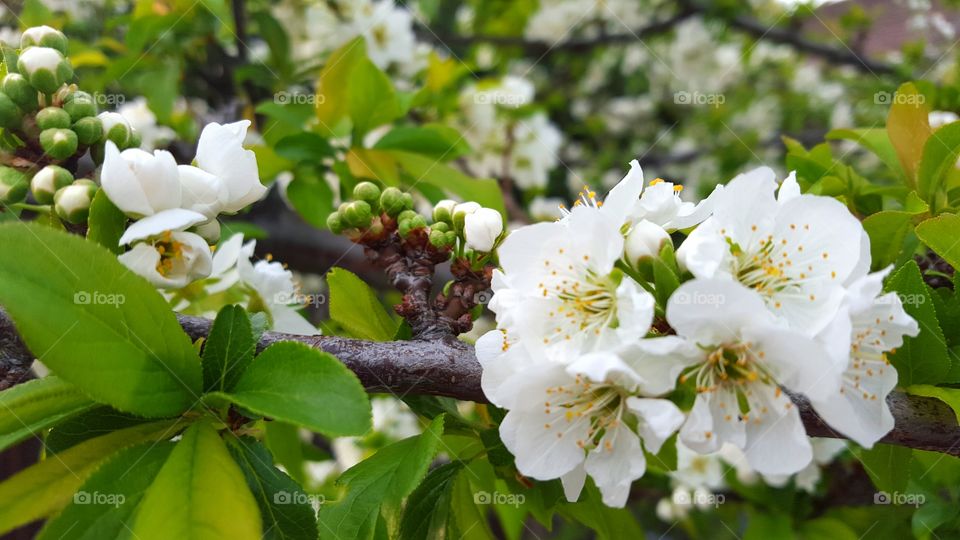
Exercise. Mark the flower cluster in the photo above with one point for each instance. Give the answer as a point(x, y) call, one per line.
point(600, 323)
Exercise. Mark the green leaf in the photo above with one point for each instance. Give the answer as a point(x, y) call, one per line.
point(36, 405)
point(85, 426)
point(940, 235)
point(874, 139)
point(950, 396)
point(764, 525)
point(373, 101)
point(286, 512)
point(104, 506)
point(425, 516)
point(436, 141)
point(887, 230)
point(469, 520)
point(47, 486)
point(908, 128)
point(283, 441)
point(921, 359)
point(333, 87)
point(106, 222)
point(303, 146)
point(609, 523)
point(292, 382)
point(311, 196)
point(665, 281)
point(485, 191)
point(940, 154)
point(355, 307)
point(818, 529)
point(888, 466)
point(199, 494)
point(95, 323)
point(383, 479)
point(228, 349)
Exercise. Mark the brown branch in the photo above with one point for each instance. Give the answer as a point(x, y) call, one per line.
point(448, 367)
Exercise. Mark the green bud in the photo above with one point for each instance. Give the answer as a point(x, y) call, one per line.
point(53, 117)
point(44, 36)
point(414, 223)
point(48, 181)
point(406, 214)
point(97, 151)
point(10, 115)
point(89, 130)
point(443, 211)
point(367, 191)
point(451, 237)
point(391, 201)
point(335, 223)
point(460, 212)
point(79, 105)
point(407, 201)
point(20, 91)
point(440, 226)
point(438, 239)
point(135, 139)
point(58, 143)
point(72, 203)
point(46, 68)
point(358, 214)
point(13, 185)
point(116, 128)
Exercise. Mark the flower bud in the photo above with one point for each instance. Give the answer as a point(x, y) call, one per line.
point(9, 112)
point(46, 68)
point(406, 214)
point(116, 128)
point(368, 192)
point(13, 185)
point(391, 201)
point(79, 104)
point(482, 229)
point(407, 201)
point(20, 91)
point(460, 212)
point(358, 214)
point(72, 203)
point(407, 225)
point(443, 211)
point(439, 239)
point(89, 130)
point(335, 223)
point(44, 36)
point(53, 117)
point(209, 231)
point(645, 241)
point(440, 226)
point(48, 181)
point(58, 143)
point(135, 139)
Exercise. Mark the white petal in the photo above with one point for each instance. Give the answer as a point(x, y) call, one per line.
point(615, 464)
point(202, 191)
point(286, 319)
point(175, 219)
point(659, 361)
point(624, 196)
point(220, 152)
point(712, 311)
point(789, 188)
point(712, 422)
point(573, 483)
point(658, 420)
point(777, 442)
point(604, 367)
point(117, 180)
point(227, 254)
point(796, 361)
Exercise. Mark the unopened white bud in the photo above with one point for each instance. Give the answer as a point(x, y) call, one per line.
point(482, 228)
point(645, 240)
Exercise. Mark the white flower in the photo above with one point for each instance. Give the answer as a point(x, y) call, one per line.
point(875, 324)
point(796, 251)
point(139, 116)
point(275, 287)
point(220, 152)
point(482, 229)
point(570, 421)
point(163, 253)
point(696, 470)
point(109, 120)
point(201, 191)
point(36, 58)
point(559, 288)
point(644, 241)
point(738, 358)
point(140, 183)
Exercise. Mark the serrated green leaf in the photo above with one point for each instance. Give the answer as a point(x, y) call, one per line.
point(921, 359)
point(47, 486)
point(103, 508)
point(106, 223)
point(284, 507)
point(228, 349)
point(425, 516)
point(292, 382)
point(874, 139)
point(355, 307)
point(373, 101)
point(940, 235)
point(33, 406)
point(609, 523)
point(382, 480)
point(199, 494)
point(95, 323)
point(469, 520)
point(888, 466)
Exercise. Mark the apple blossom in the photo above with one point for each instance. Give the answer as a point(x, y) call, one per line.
point(482, 229)
point(163, 252)
point(140, 183)
point(220, 152)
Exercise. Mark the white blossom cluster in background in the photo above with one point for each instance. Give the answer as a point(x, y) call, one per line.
point(779, 298)
point(560, 20)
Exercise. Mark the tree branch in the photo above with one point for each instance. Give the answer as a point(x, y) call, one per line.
point(448, 367)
